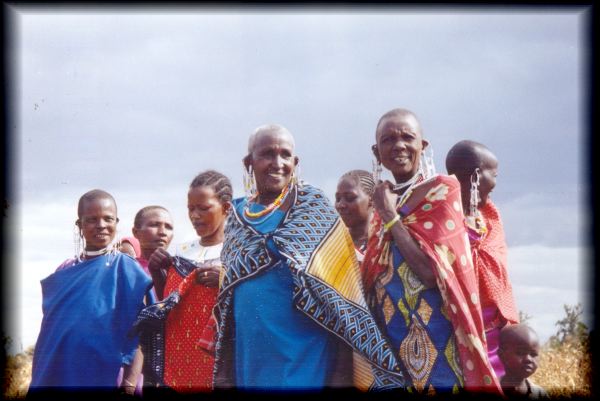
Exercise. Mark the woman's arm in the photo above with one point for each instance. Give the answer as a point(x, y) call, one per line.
point(384, 201)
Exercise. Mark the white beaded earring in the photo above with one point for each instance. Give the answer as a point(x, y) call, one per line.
point(249, 182)
point(377, 169)
point(78, 242)
point(474, 198)
point(427, 163)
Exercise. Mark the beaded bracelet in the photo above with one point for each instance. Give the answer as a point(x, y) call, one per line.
point(389, 224)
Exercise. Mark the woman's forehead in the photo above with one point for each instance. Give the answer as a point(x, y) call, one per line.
point(398, 124)
point(272, 138)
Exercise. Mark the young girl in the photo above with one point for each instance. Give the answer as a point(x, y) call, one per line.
point(353, 203)
point(188, 284)
point(476, 168)
point(89, 306)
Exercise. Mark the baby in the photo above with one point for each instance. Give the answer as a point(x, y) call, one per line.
point(519, 350)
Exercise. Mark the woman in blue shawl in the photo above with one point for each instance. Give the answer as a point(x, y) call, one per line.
point(89, 305)
point(291, 310)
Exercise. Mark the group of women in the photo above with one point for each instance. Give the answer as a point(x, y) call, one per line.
point(397, 285)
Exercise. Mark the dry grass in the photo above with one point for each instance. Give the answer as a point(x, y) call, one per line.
point(565, 371)
point(17, 374)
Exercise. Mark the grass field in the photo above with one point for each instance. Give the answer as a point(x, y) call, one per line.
point(565, 371)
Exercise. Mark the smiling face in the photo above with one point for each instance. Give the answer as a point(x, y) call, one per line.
point(352, 203)
point(399, 145)
point(207, 214)
point(98, 222)
point(155, 230)
point(273, 161)
point(519, 352)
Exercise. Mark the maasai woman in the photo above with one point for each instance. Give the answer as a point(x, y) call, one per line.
point(353, 203)
point(89, 305)
point(291, 287)
point(172, 329)
point(417, 269)
point(476, 168)
point(152, 229)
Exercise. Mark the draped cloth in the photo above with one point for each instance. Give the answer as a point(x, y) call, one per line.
point(89, 308)
point(170, 331)
point(489, 258)
point(495, 291)
point(433, 217)
point(319, 252)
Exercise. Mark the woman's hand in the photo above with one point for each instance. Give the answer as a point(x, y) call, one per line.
point(159, 263)
point(384, 201)
point(208, 276)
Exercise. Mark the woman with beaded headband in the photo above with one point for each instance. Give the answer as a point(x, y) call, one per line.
point(290, 309)
point(90, 304)
point(476, 168)
point(417, 270)
point(177, 333)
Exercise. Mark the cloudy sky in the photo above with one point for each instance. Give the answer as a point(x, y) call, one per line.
point(138, 101)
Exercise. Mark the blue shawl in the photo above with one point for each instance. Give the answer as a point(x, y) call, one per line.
point(88, 309)
point(320, 254)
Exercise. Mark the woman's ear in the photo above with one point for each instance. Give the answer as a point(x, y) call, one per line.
point(425, 143)
point(247, 161)
point(375, 150)
point(227, 207)
point(78, 223)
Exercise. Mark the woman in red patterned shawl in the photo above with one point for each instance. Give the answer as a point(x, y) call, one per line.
point(418, 271)
point(476, 168)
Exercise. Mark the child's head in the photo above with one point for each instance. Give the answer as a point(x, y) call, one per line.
point(97, 219)
point(209, 201)
point(353, 197)
point(519, 350)
point(153, 227)
point(468, 158)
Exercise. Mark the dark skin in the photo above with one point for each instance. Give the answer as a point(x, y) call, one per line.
point(519, 351)
point(463, 159)
point(271, 156)
point(354, 207)
point(398, 148)
point(207, 214)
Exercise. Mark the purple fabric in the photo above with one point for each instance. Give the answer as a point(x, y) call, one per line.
point(493, 340)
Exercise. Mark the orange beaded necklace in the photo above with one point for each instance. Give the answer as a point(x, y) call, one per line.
point(276, 203)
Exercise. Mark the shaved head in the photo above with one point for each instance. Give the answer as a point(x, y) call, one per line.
point(516, 333)
point(93, 195)
point(403, 114)
point(465, 156)
point(268, 129)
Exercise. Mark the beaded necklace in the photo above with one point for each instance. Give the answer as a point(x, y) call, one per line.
point(270, 208)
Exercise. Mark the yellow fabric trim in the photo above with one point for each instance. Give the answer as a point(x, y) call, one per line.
point(334, 262)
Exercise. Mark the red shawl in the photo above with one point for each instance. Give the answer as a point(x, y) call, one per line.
point(489, 258)
point(436, 222)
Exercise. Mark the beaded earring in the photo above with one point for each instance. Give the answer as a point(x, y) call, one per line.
point(474, 198)
point(377, 169)
point(427, 163)
point(249, 182)
point(296, 176)
point(78, 242)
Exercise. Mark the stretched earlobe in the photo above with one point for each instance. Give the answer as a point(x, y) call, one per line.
point(375, 151)
point(247, 162)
